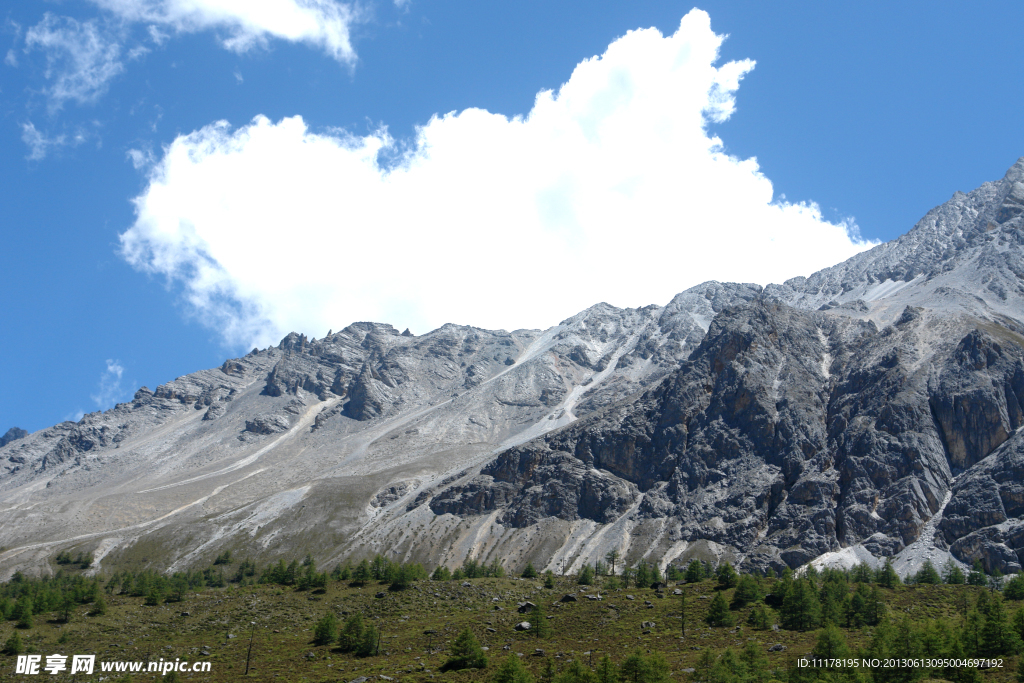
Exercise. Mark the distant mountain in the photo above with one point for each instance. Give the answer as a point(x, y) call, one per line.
point(870, 410)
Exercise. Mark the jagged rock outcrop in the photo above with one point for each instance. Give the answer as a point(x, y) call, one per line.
point(12, 434)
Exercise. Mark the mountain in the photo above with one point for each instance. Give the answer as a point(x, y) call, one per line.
point(868, 411)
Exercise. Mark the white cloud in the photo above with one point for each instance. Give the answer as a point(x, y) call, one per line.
point(110, 390)
point(39, 145)
point(141, 158)
point(610, 189)
point(81, 58)
point(320, 23)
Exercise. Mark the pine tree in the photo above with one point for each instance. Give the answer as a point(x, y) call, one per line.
point(401, 578)
point(927, 574)
point(637, 668)
point(362, 573)
point(855, 608)
point(539, 622)
point(511, 671)
point(67, 603)
point(887, 576)
point(351, 633)
point(977, 575)
point(547, 674)
point(14, 646)
point(756, 662)
point(23, 612)
point(612, 556)
point(1018, 623)
point(369, 645)
point(549, 579)
point(833, 596)
point(718, 612)
point(326, 630)
point(576, 673)
point(726, 575)
point(1014, 588)
point(628, 577)
point(442, 573)
point(952, 574)
point(747, 591)
point(831, 644)
point(760, 617)
point(466, 653)
point(529, 572)
point(606, 672)
point(801, 609)
point(861, 573)
point(643, 577)
point(694, 572)
point(729, 667)
point(586, 577)
point(99, 606)
point(997, 638)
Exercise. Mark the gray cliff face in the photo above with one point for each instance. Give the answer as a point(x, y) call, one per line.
point(786, 435)
point(869, 410)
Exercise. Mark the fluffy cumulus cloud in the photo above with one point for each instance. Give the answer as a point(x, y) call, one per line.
point(320, 23)
point(609, 189)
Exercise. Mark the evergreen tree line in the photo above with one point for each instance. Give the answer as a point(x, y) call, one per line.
point(22, 598)
point(470, 569)
point(466, 653)
point(355, 635)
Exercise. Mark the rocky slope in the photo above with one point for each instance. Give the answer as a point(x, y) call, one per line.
point(867, 411)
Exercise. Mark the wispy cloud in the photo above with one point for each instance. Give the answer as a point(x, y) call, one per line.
point(611, 188)
point(40, 145)
point(324, 24)
point(82, 58)
point(141, 158)
point(110, 389)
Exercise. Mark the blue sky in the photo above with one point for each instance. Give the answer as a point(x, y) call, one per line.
point(404, 168)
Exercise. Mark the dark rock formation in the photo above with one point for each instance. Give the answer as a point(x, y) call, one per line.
point(13, 434)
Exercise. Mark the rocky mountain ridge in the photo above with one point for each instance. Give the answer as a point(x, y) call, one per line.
point(870, 410)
